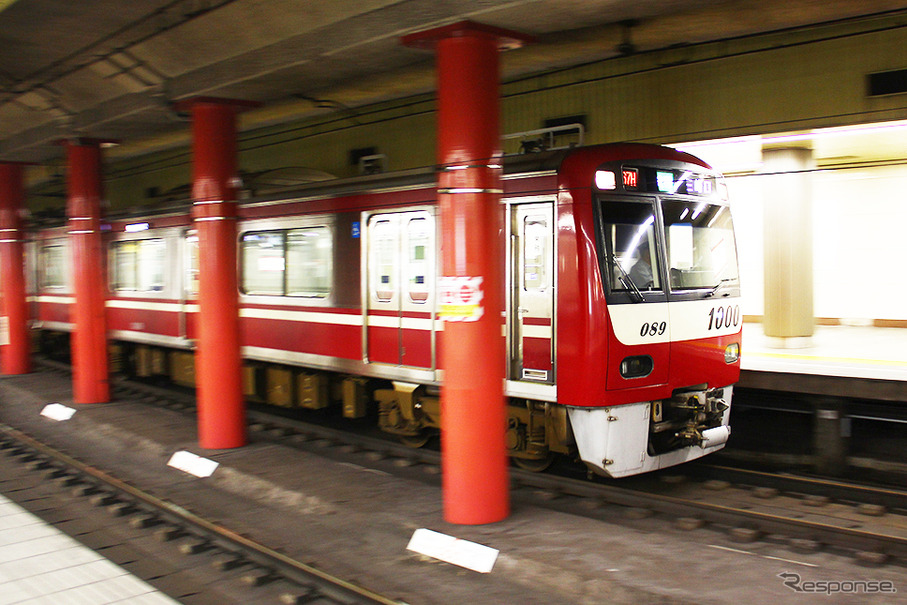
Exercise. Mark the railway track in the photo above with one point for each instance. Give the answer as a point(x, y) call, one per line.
point(870, 533)
point(870, 498)
point(804, 514)
point(266, 572)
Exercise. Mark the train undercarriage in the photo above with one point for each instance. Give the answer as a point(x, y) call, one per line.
point(536, 432)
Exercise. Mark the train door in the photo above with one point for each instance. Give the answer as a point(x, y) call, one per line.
point(400, 291)
point(532, 292)
point(188, 298)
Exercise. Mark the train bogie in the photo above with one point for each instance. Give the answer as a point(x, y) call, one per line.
point(409, 411)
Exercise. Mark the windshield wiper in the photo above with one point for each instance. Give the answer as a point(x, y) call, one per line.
point(720, 285)
point(628, 283)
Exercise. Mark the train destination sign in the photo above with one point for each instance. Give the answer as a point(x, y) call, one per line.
point(659, 180)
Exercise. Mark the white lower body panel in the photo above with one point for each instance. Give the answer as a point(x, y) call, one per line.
point(614, 441)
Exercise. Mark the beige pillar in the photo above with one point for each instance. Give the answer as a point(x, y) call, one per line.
point(788, 320)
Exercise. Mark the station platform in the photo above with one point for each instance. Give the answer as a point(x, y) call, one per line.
point(40, 565)
point(837, 361)
point(356, 522)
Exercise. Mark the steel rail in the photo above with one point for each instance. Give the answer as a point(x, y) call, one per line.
point(891, 498)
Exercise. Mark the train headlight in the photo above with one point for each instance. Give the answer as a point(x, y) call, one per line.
point(605, 180)
point(636, 367)
point(732, 352)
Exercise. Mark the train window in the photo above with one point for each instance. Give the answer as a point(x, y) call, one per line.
point(53, 266)
point(191, 264)
point(385, 251)
point(535, 252)
point(138, 265)
point(309, 262)
point(419, 243)
point(263, 262)
point(702, 252)
point(152, 254)
point(629, 230)
point(123, 263)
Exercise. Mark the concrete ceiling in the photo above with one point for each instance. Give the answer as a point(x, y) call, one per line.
point(113, 68)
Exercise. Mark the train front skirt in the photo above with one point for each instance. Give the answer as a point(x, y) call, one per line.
point(615, 441)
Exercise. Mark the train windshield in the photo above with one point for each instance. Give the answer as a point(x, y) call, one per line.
point(630, 241)
point(701, 251)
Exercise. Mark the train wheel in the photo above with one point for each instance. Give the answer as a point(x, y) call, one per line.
point(534, 465)
point(415, 441)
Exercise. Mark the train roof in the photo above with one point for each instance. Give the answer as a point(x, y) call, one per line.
point(526, 163)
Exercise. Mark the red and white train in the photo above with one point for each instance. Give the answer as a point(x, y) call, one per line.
point(623, 320)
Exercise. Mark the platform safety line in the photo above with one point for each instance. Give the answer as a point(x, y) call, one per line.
point(817, 358)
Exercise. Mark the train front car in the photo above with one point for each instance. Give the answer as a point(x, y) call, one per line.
point(649, 324)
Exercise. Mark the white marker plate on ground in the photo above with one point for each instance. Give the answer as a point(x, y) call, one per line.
point(57, 411)
point(453, 550)
point(192, 464)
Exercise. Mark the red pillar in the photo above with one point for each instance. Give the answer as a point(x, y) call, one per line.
point(473, 450)
point(90, 381)
point(218, 366)
point(14, 342)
